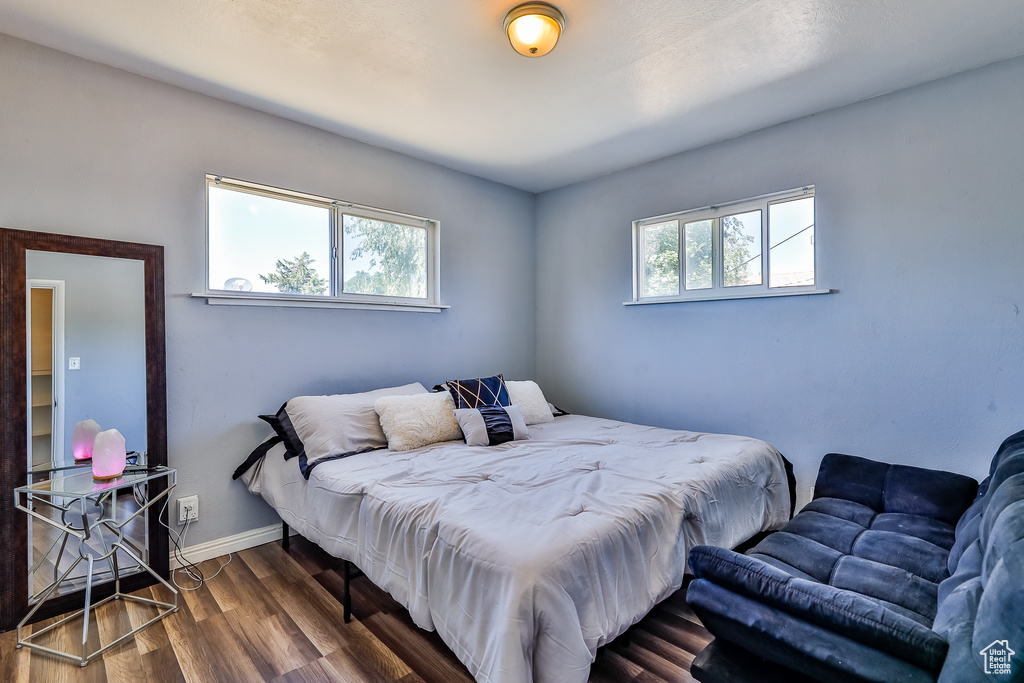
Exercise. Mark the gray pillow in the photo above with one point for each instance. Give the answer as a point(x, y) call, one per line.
point(342, 423)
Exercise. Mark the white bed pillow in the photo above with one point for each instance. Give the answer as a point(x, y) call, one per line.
point(342, 423)
point(530, 399)
point(420, 420)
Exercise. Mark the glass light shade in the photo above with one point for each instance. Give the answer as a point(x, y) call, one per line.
point(82, 439)
point(108, 455)
point(533, 28)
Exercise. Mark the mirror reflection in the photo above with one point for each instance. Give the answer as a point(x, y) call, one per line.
point(86, 360)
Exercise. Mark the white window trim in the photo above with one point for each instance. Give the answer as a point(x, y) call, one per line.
point(719, 292)
point(339, 299)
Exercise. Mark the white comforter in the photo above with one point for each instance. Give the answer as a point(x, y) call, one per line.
point(527, 557)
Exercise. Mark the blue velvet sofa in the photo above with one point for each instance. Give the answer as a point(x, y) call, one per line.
point(891, 573)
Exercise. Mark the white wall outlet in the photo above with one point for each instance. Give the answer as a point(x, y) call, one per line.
point(188, 509)
point(74, 363)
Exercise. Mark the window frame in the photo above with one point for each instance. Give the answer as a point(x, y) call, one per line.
point(719, 290)
point(336, 296)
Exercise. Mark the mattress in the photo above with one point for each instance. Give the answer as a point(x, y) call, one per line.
point(528, 556)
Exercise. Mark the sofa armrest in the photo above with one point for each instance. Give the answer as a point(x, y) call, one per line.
point(796, 644)
point(841, 611)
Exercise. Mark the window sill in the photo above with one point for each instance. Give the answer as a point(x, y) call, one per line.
point(224, 299)
point(731, 297)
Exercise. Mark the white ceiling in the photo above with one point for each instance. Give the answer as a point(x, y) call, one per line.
point(436, 79)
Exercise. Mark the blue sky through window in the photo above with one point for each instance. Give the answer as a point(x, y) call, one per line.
point(250, 232)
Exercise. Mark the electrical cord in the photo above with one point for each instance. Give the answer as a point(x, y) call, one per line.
point(191, 569)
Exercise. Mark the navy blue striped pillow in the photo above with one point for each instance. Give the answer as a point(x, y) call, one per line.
point(492, 425)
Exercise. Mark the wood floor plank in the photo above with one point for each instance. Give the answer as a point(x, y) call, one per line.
point(270, 560)
point(663, 648)
point(153, 637)
point(274, 643)
point(161, 666)
point(193, 656)
point(374, 655)
point(411, 678)
point(611, 667)
point(123, 662)
point(367, 599)
point(675, 629)
point(253, 598)
point(257, 561)
point(321, 625)
point(276, 615)
point(225, 592)
point(676, 604)
point(232, 661)
point(349, 667)
point(199, 600)
point(124, 665)
point(654, 663)
point(317, 671)
point(311, 557)
point(14, 663)
point(65, 638)
point(411, 644)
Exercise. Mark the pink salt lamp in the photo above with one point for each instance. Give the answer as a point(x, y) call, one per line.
point(108, 455)
point(82, 439)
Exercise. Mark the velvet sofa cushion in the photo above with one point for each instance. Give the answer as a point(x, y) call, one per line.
point(968, 531)
point(896, 558)
point(933, 494)
point(844, 612)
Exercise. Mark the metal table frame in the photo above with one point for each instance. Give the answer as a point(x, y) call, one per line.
point(81, 488)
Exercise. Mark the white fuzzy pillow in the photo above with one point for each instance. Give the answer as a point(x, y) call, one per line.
point(531, 401)
point(419, 420)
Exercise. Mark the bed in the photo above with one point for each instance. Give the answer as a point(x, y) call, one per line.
point(528, 556)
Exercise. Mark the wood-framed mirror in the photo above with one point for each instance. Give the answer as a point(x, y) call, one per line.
point(29, 389)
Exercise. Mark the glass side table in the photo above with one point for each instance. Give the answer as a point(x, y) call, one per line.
point(85, 510)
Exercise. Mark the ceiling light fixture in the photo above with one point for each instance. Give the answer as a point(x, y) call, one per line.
point(533, 28)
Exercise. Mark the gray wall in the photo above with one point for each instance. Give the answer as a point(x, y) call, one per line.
point(104, 326)
point(920, 225)
point(90, 150)
point(919, 358)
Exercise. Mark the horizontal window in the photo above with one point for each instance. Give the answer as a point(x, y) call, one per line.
point(283, 246)
point(754, 247)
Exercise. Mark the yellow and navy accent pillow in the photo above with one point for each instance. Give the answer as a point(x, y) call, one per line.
point(479, 392)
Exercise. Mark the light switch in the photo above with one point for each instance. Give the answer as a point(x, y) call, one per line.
point(74, 363)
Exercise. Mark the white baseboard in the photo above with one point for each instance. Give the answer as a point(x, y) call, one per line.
point(229, 544)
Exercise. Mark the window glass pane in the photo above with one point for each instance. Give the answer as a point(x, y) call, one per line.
point(698, 254)
point(791, 240)
point(741, 249)
point(264, 244)
point(387, 259)
point(661, 259)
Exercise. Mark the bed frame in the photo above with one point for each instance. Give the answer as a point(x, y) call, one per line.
point(349, 572)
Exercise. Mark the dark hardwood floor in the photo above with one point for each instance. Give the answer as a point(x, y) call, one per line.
point(276, 615)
